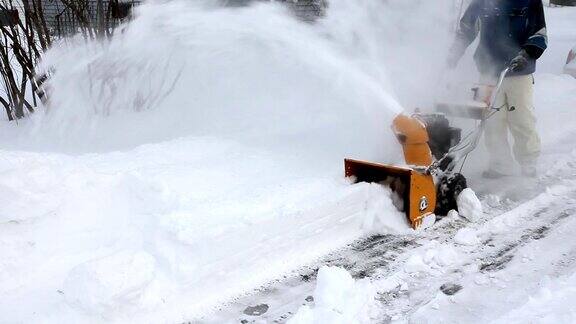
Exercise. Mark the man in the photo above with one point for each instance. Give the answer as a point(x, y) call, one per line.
point(512, 33)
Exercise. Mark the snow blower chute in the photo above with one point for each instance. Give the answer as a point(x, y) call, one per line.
point(432, 149)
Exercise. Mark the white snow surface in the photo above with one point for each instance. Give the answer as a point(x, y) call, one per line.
point(198, 154)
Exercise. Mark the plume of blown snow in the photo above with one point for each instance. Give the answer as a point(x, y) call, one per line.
point(255, 74)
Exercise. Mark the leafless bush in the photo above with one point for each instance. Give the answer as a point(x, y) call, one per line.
point(28, 28)
point(91, 18)
point(24, 37)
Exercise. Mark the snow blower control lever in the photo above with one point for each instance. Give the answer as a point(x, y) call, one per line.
point(459, 151)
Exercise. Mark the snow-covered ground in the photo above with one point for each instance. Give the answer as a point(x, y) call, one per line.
point(198, 156)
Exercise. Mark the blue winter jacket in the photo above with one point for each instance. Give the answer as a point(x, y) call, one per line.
point(505, 27)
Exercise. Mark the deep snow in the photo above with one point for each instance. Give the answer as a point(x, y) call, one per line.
point(218, 167)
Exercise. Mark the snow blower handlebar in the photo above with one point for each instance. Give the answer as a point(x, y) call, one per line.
point(470, 142)
point(498, 87)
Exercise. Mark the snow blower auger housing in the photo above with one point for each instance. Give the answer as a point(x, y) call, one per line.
point(424, 139)
point(410, 184)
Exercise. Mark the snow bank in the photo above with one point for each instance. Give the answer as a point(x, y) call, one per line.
point(339, 299)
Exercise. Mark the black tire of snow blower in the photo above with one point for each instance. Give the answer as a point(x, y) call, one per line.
point(448, 190)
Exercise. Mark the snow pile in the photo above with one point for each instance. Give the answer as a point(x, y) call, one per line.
point(469, 206)
point(339, 299)
point(381, 213)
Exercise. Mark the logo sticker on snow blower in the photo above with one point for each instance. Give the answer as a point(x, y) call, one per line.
point(423, 203)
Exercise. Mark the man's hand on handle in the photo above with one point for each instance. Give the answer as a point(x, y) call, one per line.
point(520, 62)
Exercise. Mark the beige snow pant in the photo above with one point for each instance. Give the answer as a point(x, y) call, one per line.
point(516, 100)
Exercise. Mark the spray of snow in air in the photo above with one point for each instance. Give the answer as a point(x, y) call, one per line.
point(254, 74)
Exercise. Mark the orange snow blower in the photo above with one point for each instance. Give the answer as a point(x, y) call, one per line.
point(414, 183)
point(432, 150)
point(425, 140)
